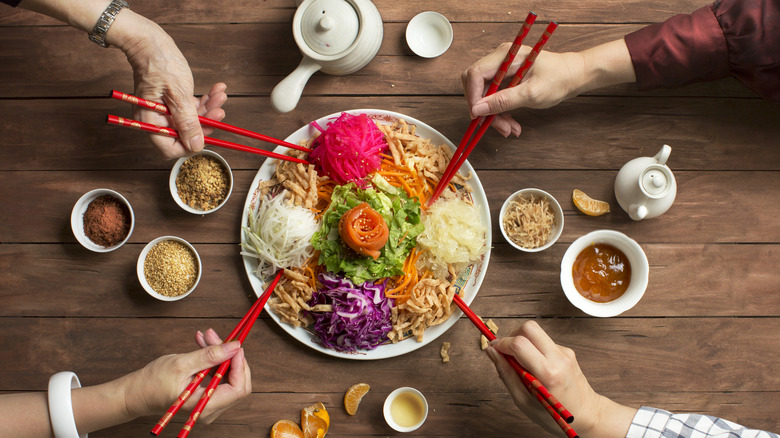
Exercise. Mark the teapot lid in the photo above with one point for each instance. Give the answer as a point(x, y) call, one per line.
point(655, 181)
point(330, 27)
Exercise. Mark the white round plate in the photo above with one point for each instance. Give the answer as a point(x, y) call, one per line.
point(471, 284)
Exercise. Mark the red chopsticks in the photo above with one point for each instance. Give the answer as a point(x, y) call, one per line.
point(154, 129)
point(240, 332)
point(560, 414)
point(465, 146)
point(143, 103)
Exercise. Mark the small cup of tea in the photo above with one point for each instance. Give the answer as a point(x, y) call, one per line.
point(405, 409)
point(604, 273)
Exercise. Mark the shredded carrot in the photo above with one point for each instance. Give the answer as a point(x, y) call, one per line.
point(415, 185)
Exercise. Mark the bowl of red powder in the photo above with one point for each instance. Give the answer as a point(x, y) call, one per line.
point(102, 220)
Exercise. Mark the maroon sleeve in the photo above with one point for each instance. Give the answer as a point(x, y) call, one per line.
point(11, 2)
point(740, 38)
point(679, 51)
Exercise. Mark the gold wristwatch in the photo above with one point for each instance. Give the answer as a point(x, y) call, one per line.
point(98, 34)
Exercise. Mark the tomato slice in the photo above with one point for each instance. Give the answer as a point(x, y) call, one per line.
point(364, 230)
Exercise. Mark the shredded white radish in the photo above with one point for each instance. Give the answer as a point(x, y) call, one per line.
point(454, 235)
point(279, 236)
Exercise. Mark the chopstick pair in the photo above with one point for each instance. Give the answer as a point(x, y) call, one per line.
point(557, 411)
point(239, 333)
point(465, 146)
point(154, 129)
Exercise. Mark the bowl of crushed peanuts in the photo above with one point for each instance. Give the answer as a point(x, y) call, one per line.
point(531, 220)
point(169, 268)
point(202, 183)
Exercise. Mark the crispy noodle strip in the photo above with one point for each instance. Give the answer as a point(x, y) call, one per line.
point(430, 304)
point(529, 221)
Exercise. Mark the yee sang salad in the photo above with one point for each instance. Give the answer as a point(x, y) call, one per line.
point(365, 261)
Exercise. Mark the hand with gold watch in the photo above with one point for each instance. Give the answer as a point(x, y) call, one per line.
point(160, 70)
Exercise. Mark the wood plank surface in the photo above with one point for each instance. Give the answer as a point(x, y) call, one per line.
point(702, 339)
point(252, 65)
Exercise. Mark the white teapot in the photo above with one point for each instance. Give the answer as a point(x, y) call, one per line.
point(338, 37)
point(645, 187)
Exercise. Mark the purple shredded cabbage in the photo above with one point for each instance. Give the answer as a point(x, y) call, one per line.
point(360, 319)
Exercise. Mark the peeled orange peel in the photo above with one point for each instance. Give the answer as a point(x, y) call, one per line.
point(588, 205)
point(353, 397)
point(315, 421)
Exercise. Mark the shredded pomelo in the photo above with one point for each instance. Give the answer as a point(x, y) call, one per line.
point(349, 149)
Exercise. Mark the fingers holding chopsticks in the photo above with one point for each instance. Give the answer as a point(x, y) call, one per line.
point(556, 368)
point(238, 385)
point(476, 80)
point(184, 109)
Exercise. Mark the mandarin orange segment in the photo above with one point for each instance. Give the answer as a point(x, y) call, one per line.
point(286, 429)
point(315, 421)
point(353, 397)
point(588, 205)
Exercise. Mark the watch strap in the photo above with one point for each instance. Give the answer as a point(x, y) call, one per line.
point(98, 34)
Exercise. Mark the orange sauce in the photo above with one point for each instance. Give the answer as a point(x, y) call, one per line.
point(601, 273)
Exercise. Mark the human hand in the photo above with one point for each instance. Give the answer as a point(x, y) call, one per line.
point(152, 389)
point(552, 79)
point(557, 369)
point(161, 74)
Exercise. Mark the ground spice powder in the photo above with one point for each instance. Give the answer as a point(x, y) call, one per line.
point(202, 182)
point(106, 221)
point(170, 268)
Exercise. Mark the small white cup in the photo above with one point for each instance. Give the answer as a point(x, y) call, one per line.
point(142, 275)
point(175, 173)
point(388, 414)
point(429, 34)
point(640, 273)
point(557, 210)
point(77, 219)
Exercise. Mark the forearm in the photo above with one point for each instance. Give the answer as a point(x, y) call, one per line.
point(105, 405)
point(94, 408)
point(604, 65)
point(613, 420)
point(128, 30)
point(26, 415)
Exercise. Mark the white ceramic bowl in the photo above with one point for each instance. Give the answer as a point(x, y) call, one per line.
point(389, 417)
point(640, 273)
point(142, 277)
point(429, 34)
point(175, 173)
point(557, 226)
point(77, 219)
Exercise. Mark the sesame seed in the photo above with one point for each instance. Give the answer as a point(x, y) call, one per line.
point(170, 268)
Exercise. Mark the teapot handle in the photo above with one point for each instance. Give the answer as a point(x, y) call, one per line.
point(663, 154)
point(287, 93)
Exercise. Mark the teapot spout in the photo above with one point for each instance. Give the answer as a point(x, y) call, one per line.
point(637, 212)
point(663, 154)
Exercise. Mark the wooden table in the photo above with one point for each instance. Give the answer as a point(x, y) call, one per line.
point(704, 338)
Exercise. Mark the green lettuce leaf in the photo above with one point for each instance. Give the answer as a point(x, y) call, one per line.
point(402, 215)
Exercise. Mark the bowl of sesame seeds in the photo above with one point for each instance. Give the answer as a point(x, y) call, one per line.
point(169, 268)
point(202, 183)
